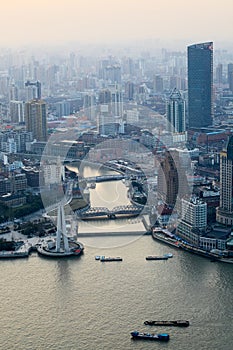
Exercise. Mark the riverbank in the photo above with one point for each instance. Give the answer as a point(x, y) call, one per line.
point(168, 238)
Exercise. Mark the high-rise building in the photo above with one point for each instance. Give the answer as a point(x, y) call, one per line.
point(17, 111)
point(89, 105)
point(158, 84)
point(13, 93)
point(229, 72)
point(225, 209)
point(33, 90)
point(129, 91)
point(230, 80)
point(36, 119)
point(168, 181)
point(62, 109)
point(218, 73)
point(200, 85)
point(230, 77)
point(113, 74)
point(114, 98)
point(104, 96)
point(194, 220)
point(175, 112)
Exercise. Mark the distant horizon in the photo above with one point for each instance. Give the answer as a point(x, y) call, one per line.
point(105, 22)
point(146, 44)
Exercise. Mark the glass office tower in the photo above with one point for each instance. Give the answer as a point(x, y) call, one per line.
point(200, 85)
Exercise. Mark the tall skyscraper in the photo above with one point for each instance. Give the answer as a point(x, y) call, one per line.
point(200, 85)
point(175, 112)
point(225, 210)
point(36, 119)
point(168, 181)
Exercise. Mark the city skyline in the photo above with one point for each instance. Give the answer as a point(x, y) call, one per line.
point(27, 23)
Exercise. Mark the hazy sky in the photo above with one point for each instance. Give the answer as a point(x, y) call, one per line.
point(98, 21)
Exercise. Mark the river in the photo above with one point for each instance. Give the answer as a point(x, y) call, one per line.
point(108, 194)
point(83, 304)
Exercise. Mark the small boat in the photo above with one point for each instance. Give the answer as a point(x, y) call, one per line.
point(149, 336)
point(169, 255)
point(156, 257)
point(104, 258)
point(97, 257)
point(92, 185)
point(178, 323)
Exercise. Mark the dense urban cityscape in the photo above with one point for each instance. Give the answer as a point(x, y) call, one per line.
point(171, 113)
point(116, 175)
